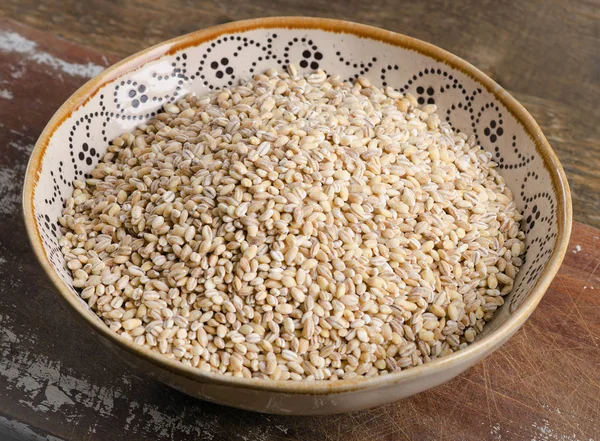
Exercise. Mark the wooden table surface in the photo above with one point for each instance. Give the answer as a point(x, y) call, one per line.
point(56, 383)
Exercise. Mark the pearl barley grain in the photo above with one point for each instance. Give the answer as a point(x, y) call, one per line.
point(295, 227)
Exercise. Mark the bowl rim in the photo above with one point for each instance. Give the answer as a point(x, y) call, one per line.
point(474, 351)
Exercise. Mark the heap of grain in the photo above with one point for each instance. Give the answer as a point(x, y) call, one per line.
point(295, 227)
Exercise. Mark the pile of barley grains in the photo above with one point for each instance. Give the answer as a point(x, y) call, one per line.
point(295, 227)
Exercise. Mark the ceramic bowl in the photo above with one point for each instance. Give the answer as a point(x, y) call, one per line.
point(133, 90)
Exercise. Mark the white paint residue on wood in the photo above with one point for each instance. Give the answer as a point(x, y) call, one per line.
point(11, 42)
point(52, 390)
point(6, 94)
point(10, 194)
point(20, 431)
point(22, 147)
point(47, 387)
point(17, 72)
point(496, 432)
point(543, 432)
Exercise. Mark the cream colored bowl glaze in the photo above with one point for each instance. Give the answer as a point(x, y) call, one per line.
point(129, 92)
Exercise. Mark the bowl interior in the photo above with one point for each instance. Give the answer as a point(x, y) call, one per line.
point(143, 84)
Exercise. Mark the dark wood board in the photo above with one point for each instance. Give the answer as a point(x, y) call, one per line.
point(56, 382)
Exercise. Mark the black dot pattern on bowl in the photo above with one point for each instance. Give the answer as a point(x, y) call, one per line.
point(215, 70)
point(302, 52)
point(81, 155)
point(462, 102)
point(428, 83)
point(359, 68)
point(389, 68)
point(134, 99)
point(522, 159)
point(539, 210)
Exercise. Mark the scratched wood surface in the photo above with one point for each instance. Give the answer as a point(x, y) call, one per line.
point(57, 383)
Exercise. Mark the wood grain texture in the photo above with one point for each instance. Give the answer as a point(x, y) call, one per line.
point(56, 380)
point(545, 52)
